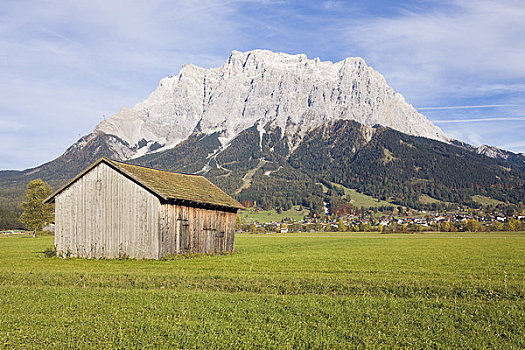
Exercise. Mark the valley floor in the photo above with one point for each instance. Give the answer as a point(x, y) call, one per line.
point(319, 290)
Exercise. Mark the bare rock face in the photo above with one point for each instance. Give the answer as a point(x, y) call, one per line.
point(492, 152)
point(266, 89)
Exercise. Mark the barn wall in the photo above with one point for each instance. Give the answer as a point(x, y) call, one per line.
point(104, 214)
point(195, 230)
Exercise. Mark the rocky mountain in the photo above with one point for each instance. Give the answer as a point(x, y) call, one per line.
point(283, 129)
point(495, 152)
point(266, 89)
point(518, 159)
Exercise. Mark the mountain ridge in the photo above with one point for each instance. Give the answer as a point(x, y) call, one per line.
point(270, 127)
point(262, 87)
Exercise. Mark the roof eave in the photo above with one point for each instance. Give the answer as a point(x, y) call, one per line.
point(203, 204)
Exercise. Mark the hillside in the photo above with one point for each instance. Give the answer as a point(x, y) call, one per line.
point(378, 161)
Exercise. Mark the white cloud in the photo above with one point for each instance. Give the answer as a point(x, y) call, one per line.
point(477, 120)
point(9, 126)
point(461, 107)
point(505, 134)
point(515, 145)
point(454, 48)
point(331, 5)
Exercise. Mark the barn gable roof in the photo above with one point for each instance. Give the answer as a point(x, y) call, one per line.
point(168, 186)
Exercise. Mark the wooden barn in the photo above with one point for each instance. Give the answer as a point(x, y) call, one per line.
point(116, 210)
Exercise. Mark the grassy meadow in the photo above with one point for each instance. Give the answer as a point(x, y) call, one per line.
point(251, 215)
point(359, 200)
point(295, 291)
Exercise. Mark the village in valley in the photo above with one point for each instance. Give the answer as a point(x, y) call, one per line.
point(258, 221)
point(396, 220)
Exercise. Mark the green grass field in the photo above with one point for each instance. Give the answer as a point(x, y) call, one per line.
point(295, 291)
point(251, 215)
point(362, 200)
point(484, 200)
point(426, 199)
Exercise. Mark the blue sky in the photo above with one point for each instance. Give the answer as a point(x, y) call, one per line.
point(64, 65)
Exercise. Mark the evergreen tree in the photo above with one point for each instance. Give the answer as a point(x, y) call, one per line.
point(36, 213)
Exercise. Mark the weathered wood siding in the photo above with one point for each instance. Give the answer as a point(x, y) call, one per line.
point(195, 230)
point(104, 214)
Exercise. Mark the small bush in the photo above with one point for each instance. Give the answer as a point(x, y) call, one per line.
point(50, 252)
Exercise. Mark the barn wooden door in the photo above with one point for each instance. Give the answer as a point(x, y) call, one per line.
point(220, 232)
point(182, 231)
point(178, 227)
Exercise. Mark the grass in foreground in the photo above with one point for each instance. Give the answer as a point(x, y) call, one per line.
point(279, 291)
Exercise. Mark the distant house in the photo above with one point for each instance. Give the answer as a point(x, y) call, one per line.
point(116, 210)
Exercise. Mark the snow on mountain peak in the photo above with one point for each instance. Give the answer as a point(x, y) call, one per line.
point(265, 88)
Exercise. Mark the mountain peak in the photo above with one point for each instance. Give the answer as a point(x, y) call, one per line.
point(289, 61)
point(261, 87)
